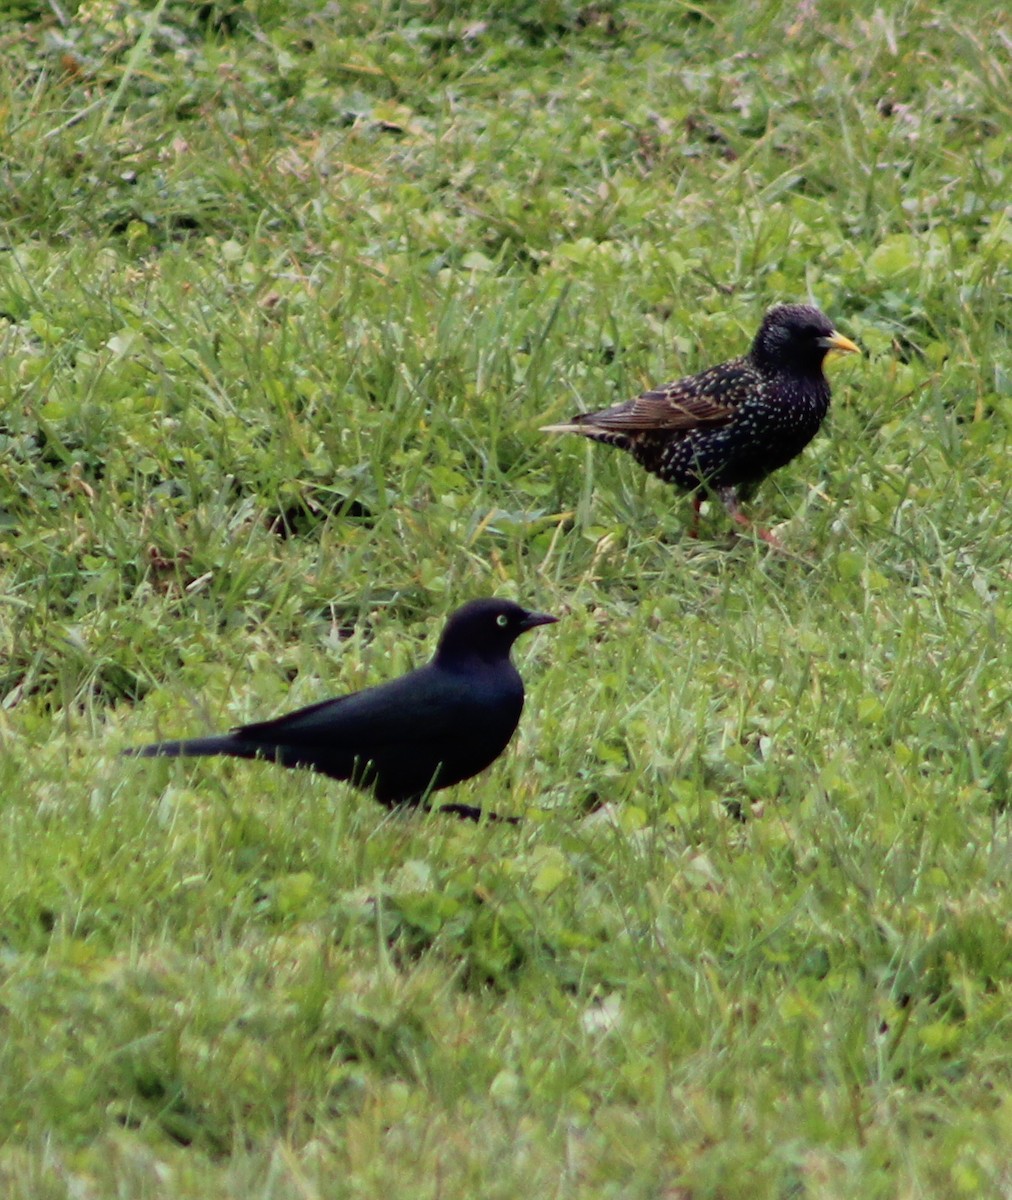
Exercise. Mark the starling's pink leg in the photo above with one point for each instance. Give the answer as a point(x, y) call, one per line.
point(730, 498)
point(697, 504)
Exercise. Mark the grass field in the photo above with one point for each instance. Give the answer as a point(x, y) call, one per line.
point(286, 291)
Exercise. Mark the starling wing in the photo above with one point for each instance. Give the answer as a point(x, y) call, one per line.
point(708, 399)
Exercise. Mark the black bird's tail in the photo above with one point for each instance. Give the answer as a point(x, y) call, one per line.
point(226, 743)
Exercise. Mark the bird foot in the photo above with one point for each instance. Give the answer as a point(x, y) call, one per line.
point(730, 500)
point(765, 535)
point(467, 812)
point(769, 538)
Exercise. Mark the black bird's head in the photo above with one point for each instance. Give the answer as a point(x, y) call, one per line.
point(796, 338)
point(486, 629)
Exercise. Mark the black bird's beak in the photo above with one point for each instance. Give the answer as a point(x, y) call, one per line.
point(839, 343)
point(532, 620)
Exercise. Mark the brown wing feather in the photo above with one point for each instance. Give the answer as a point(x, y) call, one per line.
point(660, 409)
point(709, 398)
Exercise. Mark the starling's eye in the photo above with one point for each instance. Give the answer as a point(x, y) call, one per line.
point(502, 620)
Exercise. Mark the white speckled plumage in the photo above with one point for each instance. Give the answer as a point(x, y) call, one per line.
point(730, 426)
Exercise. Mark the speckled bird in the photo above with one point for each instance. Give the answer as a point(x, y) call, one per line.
point(724, 430)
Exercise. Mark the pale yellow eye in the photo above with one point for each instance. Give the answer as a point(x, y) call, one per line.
point(502, 620)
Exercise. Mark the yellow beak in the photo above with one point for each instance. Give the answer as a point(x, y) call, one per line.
point(839, 343)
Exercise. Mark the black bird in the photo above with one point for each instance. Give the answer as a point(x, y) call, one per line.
point(726, 429)
point(426, 730)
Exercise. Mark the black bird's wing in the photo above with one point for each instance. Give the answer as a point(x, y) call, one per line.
point(399, 735)
point(419, 705)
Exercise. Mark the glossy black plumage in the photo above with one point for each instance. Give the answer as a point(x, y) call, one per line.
point(727, 428)
point(426, 730)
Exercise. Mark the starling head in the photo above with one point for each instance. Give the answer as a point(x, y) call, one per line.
point(486, 629)
point(796, 338)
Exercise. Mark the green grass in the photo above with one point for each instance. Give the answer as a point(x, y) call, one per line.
point(286, 292)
